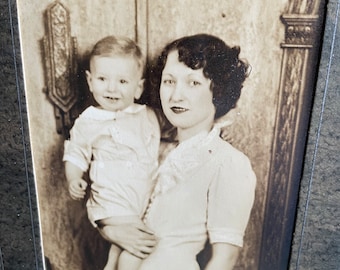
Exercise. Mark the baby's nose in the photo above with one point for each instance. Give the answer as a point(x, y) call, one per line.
point(111, 87)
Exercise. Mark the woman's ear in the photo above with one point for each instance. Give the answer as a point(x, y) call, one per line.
point(139, 90)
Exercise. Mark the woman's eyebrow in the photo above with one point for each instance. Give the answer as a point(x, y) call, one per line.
point(167, 74)
point(196, 75)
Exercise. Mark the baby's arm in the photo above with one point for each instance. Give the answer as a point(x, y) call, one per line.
point(76, 184)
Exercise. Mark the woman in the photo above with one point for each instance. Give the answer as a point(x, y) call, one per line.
point(205, 187)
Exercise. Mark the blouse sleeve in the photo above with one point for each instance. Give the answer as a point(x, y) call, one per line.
point(230, 200)
point(77, 149)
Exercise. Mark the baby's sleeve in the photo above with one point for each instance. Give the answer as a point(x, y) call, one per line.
point(230, 200)
point(77, 149)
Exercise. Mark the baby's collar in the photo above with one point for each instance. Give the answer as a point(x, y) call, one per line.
point(134, 108)
point(100, 114)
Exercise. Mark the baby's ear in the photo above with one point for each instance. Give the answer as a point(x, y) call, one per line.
point(139, 90)
point(88, 79)
point(88, 76)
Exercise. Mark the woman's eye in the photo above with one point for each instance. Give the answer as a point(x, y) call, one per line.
point(168, 81)
point(195, 83)
point(101, 79)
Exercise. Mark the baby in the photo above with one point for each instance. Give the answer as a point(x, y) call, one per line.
point(117, 141)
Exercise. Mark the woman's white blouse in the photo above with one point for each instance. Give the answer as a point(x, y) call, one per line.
point(205, 189)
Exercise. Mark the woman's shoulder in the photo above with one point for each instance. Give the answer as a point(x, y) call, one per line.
point(234, 165)
point(230, 153)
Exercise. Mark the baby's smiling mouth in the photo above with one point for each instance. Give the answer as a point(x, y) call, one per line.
point(112, 98)
point(176, 109)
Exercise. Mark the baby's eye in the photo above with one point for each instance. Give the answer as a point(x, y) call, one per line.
point(123, 81)
point(194, 83)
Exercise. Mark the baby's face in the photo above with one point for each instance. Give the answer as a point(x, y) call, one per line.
point(115, 81)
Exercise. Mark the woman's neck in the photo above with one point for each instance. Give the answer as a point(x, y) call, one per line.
point(185, 134)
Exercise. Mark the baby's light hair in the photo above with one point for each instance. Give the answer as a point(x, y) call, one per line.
point(118, 46)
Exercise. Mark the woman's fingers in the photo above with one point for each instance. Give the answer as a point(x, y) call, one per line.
point(144, 246)
point(149, 242)
point(131, 237)
point(147, 249)
point(139, 254)
point(143, 228)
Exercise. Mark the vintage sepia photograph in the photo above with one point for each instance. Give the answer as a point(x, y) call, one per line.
point(168, 134)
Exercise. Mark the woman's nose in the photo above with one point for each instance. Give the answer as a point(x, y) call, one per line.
point(177, 93)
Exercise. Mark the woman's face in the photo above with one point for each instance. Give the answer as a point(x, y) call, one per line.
point(186, 98)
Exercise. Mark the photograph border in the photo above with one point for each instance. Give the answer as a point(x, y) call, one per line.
point(283, 198)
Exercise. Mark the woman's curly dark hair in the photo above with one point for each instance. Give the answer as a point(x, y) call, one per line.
point(220, 63)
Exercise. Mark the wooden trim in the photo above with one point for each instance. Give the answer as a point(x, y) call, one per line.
point(60, 54)
point(141, 26)
point(299, 65)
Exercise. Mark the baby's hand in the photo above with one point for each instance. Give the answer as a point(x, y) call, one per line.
point(77, 188)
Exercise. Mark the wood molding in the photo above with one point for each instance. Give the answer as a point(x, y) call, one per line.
point(299, 66)
point(60, 57)
point(141, 25)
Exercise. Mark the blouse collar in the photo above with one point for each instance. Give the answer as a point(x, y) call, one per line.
point(184, 159)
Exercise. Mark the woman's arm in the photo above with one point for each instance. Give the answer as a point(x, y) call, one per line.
point(136, 238)
point(224, 257)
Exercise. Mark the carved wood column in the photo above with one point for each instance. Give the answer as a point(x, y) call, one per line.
point(60, 55)
point(141, 25)
point(303, 23)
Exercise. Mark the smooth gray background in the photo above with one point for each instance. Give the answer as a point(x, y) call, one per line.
point(317, 234)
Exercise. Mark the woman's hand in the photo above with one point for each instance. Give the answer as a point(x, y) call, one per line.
point(224, 257)
point(135, 238)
